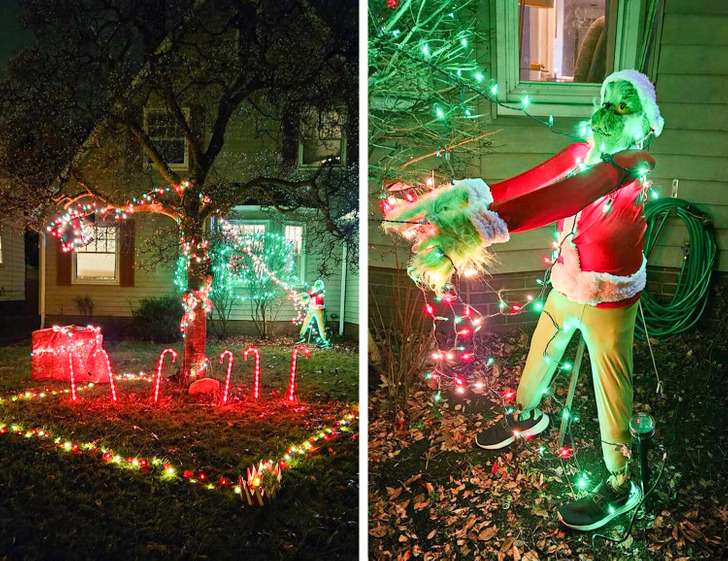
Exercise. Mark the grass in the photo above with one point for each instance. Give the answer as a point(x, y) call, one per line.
point(63, 505)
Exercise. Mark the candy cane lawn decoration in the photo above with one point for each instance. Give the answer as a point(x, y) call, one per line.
point(228, 354)
point(256, 370)
point(111, 374)
point(159, 369)
point(73, 377)
point(292, 383)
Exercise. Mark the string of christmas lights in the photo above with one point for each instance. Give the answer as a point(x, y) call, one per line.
point(161, 468)
point(233, 278)
point(466, 321)
point(72, 227)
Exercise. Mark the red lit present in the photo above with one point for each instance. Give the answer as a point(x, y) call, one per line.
point(51, 349)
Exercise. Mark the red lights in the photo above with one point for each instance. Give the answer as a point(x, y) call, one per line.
point(160, 362)
point(566, 452)
point(294, 360)
point(228, 354)
point(111, 374)
point(256, 369)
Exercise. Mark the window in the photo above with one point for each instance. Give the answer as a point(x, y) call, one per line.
point(557, 52)
point(168, 137)
point(563, 41)
point(98, 262)
point(294, 236)
point(322, 139)
point(248, 228)
point(255, 228)
point(1, 249)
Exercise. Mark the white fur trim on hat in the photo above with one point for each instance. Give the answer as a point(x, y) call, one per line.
point(646, 93)
point(490, 226)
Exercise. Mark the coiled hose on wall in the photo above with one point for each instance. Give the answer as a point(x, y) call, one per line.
point(691, 295)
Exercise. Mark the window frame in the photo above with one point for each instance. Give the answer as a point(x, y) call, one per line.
point(116, 281)
point(343, 144)
point(562, 99)
point(184, 166)
point(303, 263)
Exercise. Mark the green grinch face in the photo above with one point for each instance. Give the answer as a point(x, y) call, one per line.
point(620, 121)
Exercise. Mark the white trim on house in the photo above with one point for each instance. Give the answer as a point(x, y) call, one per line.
point(117, 256)
point(342, 148)
point(301, 273)
point(175, 166)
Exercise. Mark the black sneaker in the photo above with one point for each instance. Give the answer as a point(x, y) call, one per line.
point(599, 507)
point(508, 429)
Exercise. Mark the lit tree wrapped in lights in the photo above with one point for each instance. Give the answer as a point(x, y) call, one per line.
point(96, 69)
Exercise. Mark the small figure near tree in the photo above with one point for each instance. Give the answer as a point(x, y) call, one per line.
point(315, 314)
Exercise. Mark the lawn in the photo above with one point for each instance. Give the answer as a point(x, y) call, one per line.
point(66, 504)
point(434, 495)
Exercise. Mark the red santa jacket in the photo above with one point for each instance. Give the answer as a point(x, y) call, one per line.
point(317, 300)
point(601, 261)
point(600, 216)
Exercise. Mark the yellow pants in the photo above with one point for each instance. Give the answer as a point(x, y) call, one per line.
point(609, 335)
point(318, 317)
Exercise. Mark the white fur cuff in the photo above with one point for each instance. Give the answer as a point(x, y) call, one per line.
point(491, 227)
point(593, 287)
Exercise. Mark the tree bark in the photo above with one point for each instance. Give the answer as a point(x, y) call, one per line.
point(194, 350)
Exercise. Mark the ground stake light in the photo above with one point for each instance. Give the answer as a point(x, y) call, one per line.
point(642, 429)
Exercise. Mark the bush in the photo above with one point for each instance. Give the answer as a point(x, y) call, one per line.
point(158, 319)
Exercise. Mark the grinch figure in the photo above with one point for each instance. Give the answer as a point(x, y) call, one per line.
point(315, 313)
point(595, 191)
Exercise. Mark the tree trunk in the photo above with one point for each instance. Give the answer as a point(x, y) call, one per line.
point(199, 277)
point(194, 350)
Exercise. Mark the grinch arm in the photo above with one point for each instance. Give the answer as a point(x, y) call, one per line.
point(403, 214)
point(567, 197)
point(541, 175)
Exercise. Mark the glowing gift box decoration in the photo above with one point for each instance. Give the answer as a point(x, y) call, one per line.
point(53, 347)
point(261, 484)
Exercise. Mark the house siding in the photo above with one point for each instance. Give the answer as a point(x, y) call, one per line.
point(12, 269)
point(249, 144)
point(158, 280)
point(691, 75)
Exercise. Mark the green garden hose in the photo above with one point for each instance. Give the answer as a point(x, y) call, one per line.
point(691, 295)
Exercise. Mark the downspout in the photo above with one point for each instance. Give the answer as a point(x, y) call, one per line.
point(342, 296)
point(42, 279)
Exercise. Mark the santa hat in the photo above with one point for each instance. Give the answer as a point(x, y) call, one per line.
point(645, 91)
